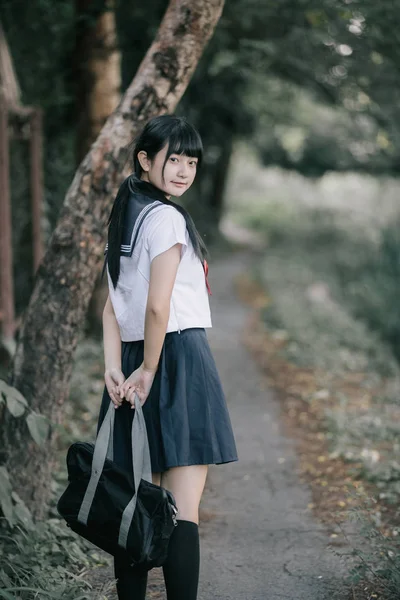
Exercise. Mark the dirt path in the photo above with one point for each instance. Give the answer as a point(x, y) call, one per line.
point(259, 541)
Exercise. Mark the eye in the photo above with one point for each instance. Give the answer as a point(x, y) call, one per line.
point(173, 159)
point(193, 163)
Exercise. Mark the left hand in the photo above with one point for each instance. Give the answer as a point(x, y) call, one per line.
point(139, 382)
point(114, 378)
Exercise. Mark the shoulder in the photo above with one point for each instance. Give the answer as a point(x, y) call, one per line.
point(165, 227)
point(164, 216)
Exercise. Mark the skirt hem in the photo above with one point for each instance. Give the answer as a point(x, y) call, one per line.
point(193, 463)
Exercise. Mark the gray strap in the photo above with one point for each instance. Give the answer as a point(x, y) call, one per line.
point(101, 450)
point(141, 468)
point(140, 460)
point(110, 449)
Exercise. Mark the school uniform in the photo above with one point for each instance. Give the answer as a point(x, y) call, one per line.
point(186, 413)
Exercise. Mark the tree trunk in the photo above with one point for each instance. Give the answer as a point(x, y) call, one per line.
point(97, 84)
point(219, 179)
point(98, 70)
point(65, 279)
point(205, 200)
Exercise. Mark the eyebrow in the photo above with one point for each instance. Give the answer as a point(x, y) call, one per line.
point(191, 157)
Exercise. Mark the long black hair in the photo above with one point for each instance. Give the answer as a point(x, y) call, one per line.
point(182, 138)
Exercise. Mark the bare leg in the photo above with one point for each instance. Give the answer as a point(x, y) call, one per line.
point(156, 477)
point(187, 485)
point(181, 569)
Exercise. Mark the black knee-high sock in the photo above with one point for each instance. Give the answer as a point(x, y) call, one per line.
point(181, 569)
point(131, 581)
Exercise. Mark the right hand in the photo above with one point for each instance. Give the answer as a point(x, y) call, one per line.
point(139, 382)
point(113, 379)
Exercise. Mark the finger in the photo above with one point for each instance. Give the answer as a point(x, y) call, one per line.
point(115, 395)
point(123, 390)
point(117, 398)
point(114, 401)
point(125, 387)
point(132, 395)
point(131, 391)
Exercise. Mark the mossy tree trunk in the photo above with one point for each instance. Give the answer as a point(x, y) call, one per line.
point(66, 277)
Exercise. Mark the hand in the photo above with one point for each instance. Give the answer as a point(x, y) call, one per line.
point(114, 378)
point(139, 382)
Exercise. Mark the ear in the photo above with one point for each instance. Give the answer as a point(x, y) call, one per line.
point(143, 160)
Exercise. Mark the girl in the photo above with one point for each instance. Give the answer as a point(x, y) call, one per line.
point(155, 343)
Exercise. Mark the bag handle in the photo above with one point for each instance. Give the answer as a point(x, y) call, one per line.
point(140, 461)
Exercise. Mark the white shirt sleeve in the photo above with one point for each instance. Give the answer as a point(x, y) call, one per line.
point(165, 228)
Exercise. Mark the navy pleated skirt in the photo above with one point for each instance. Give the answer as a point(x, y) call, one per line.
point(186, 413)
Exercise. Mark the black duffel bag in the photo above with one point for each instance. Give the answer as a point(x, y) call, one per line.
point(101, 504)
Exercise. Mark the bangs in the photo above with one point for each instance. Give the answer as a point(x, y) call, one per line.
point(184, 139)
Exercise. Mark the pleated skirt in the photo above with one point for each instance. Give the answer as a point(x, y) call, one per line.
point(186, 414)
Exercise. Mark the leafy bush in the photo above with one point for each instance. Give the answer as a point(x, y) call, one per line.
point(371, 285)
point(378, 560)
point(333, 280)
point(43, 559)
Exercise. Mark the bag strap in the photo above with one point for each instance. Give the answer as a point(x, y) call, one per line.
point(141, 468)
point(140, 462)
point(101, 449)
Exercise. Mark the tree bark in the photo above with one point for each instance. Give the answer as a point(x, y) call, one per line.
point(97, 64)
point(65, 279)
point(220, 176)
point(98, 70)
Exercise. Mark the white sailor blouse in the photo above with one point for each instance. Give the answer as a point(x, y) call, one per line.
point(150, 228)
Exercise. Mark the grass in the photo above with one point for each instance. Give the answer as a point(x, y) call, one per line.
point(46, 559)
point(328, 327)
point(331, 269)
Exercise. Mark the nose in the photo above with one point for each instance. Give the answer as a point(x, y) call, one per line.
point(183, 170)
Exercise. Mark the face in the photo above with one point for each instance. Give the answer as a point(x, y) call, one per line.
point(179, 172)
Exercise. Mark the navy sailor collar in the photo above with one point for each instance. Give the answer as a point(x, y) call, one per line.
point(141, 197)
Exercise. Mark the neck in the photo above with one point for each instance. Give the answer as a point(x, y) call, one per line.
point(145, 177)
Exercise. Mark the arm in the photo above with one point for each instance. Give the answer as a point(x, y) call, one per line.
point(111, 337)
point(162, 278)
point(113, 375)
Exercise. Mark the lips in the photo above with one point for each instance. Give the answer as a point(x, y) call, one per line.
point(179, 183)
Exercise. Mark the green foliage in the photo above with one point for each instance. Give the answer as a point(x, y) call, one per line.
point(312, 88)
point(332, 275)
point(371, 285)
point(38, 425)
point(41, 38)
point(43, 559)
point(15, 401)
point(46, 561)
point(379, 558)
point(12, 506)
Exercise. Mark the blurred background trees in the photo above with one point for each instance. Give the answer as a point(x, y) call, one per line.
point(310, 89)
point(298, 106)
